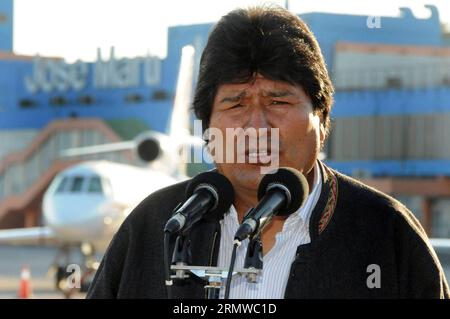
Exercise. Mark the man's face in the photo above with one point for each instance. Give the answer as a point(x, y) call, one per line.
point(264, 103)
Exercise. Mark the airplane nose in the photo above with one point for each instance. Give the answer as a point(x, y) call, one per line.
point(75, 217)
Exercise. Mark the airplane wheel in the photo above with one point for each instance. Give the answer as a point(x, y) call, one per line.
point(87, 279)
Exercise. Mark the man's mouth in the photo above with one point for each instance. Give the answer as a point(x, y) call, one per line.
point(258, 156)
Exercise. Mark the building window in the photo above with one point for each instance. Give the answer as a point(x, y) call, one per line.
point(86, 100)
point(134, 98)
point(27, 103)
point(58, 101)
point(160, 95)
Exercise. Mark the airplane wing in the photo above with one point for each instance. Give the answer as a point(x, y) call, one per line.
point(192, 141)
point(440, 243)
point(28, 236)
point(96, 149)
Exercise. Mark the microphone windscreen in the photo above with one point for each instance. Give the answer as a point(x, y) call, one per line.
point(293, 180)
point(221, 185)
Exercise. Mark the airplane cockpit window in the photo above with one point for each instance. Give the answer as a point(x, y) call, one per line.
point(107, 188)
point(62, 185)
point(77, 184)
point(95, 185)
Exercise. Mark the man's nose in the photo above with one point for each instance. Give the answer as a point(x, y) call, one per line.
point(258, 118)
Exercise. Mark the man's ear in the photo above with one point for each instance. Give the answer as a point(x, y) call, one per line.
point(323, 131)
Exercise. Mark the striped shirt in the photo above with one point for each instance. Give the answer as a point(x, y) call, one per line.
point(277, 262)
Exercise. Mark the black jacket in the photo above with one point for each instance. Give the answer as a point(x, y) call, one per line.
point(352, 227)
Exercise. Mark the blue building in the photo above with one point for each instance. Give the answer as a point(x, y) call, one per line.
point(391, 117)
point(6, 25)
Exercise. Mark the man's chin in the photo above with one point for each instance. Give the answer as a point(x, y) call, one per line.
point(249, 174)
point(245, 175)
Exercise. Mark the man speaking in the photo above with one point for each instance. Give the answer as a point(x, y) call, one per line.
point(262, 69)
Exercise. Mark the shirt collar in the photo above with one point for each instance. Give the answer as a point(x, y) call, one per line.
point(305, 210)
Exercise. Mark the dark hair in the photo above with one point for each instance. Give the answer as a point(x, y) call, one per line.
point(266, 40)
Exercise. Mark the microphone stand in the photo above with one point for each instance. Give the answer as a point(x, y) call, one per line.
point(182, 255)
point(254, 257)
point(215, 276)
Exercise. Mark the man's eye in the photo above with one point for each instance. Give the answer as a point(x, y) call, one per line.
point(279, 102)
point(236, 106)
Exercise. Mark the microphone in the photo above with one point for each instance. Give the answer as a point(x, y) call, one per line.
point(209, 195)
point(279, 194)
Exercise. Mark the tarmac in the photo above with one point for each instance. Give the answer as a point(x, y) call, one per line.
point(39, 259)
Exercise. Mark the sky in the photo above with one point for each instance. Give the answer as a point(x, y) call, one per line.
point(74, 29)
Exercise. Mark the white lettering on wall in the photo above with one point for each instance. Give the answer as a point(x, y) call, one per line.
point(56, 75)
point(125, 73)
point(50, 75)
point(152, 70)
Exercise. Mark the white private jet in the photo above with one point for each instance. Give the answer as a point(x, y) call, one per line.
point(85, 204)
